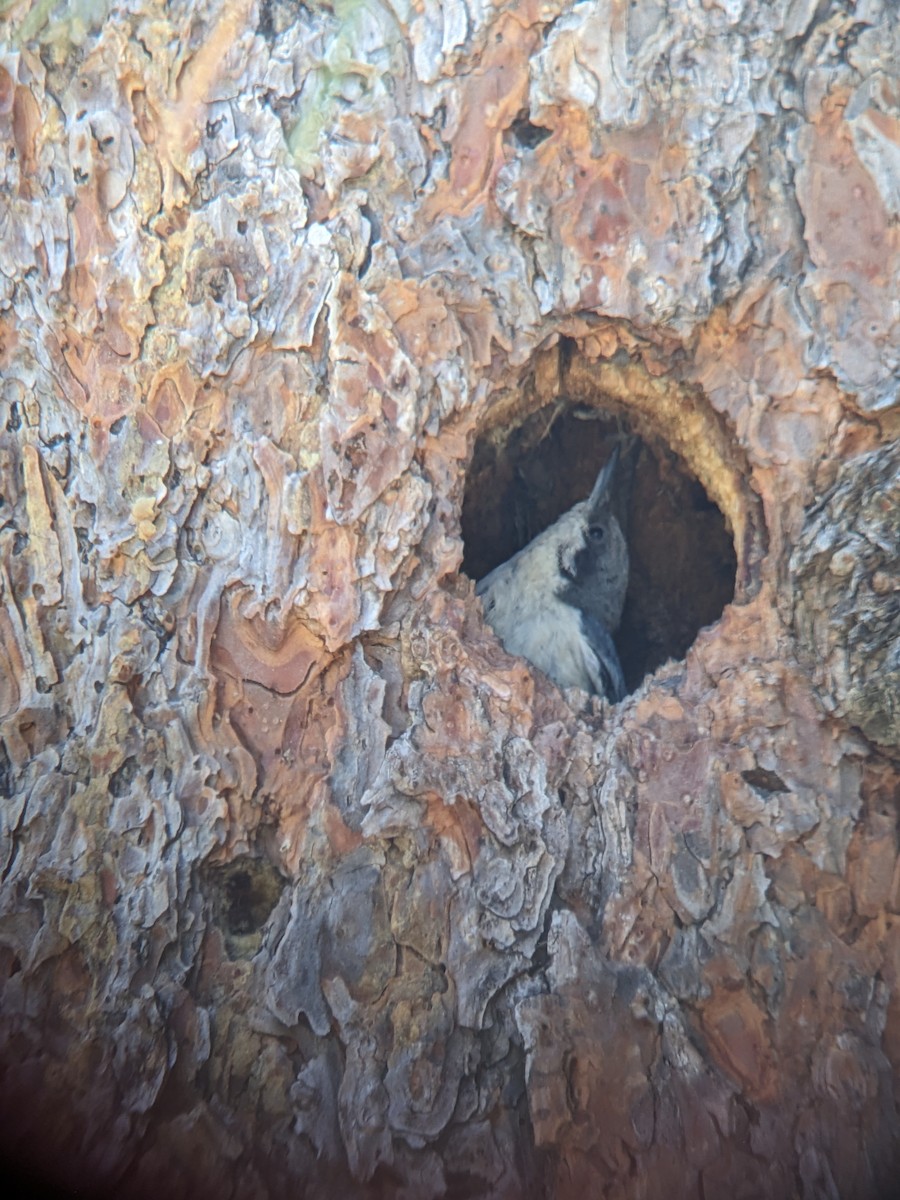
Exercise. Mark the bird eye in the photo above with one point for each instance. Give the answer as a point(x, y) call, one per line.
point(596, 532)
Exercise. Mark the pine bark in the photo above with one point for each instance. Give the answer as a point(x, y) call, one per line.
point(306, 887)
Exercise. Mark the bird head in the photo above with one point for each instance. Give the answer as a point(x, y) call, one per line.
point(593, 556)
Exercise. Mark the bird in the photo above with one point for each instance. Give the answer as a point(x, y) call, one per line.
point(558, 601)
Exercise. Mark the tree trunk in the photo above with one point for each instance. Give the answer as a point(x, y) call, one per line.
point(310, 315)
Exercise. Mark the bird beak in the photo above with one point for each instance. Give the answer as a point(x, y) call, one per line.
point(601, 492)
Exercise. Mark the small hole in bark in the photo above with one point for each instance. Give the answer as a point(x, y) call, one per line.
point(526, 133)
point(766, 782)
point(121, 780)
point(243, 894)
point(527, 472)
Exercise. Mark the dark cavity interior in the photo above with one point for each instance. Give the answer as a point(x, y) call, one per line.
point(243, 893)
point(682, 560)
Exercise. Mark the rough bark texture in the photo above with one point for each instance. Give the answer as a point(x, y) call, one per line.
point(308, 889)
